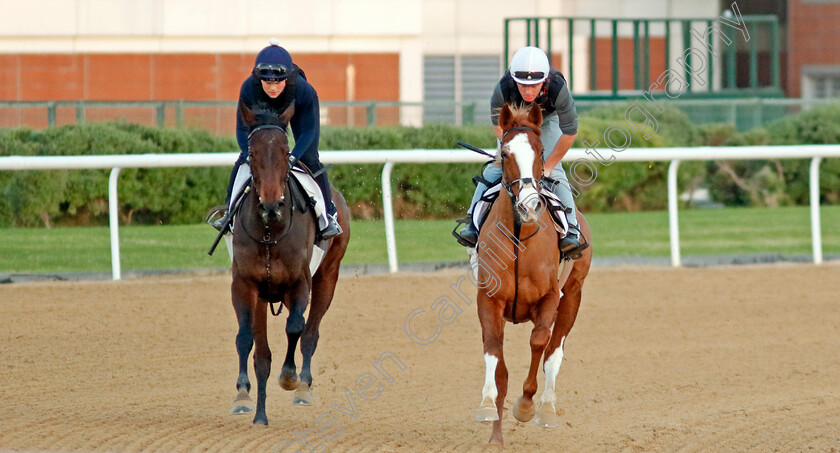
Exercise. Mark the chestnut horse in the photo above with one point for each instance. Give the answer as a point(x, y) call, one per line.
point(272, 246)
point(518, 276)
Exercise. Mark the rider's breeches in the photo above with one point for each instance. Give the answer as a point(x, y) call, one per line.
point(242, 158)
point(314, 164)
point(550, 135)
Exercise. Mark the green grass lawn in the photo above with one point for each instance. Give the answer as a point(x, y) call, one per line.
point(702, 232)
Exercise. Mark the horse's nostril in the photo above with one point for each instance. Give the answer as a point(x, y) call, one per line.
point(271, 211)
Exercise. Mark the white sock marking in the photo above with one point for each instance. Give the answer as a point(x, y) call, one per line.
point(489, 389)
point(552, 367)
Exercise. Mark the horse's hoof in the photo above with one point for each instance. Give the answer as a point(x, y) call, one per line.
point(261, 421)
point(288, 382)
point(303, 397)
point(496, 439)
point(487, 412)
point(547, 417)
point(242, 407)
point(524, 409)
point(242, 404)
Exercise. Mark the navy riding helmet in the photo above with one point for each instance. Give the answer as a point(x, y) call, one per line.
point(273, 63)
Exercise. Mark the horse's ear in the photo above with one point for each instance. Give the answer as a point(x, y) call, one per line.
point(287, 114)
point(506, 118)
point(248, 115)
point(535, 115)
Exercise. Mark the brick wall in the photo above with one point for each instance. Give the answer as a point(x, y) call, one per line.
point(814, 39)
point(169, 77)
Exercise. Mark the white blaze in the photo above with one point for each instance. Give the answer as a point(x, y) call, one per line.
point(522, 152)
point(552, 367)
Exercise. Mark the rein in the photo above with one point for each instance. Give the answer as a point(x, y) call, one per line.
point(517, 228)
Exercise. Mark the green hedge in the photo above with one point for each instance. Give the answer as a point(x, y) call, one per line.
point(183, 195)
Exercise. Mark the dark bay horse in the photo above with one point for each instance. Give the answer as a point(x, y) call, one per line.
point(272, 247)
point(520, 277)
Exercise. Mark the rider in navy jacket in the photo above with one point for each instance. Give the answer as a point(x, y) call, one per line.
point(276, 83)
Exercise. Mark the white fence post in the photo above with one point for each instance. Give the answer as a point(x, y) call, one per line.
point(673, 212)
point(816, 228)
point(114, 222)
point(388, 213)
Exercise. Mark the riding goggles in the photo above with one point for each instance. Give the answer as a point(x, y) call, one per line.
point(529, 75)
point(271, 72)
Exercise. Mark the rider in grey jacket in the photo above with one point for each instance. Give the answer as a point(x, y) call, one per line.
point(530, 79)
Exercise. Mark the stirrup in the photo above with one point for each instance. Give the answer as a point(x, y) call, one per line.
point(218, 217)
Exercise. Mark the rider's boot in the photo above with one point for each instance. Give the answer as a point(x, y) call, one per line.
point(469, 235)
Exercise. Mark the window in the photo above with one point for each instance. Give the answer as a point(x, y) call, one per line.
point(456, 86)
point(820, 82)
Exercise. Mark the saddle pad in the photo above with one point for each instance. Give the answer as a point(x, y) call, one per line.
point(482, 208)
point(311, 187)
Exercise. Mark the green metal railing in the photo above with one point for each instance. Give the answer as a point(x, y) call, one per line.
point(542, 32)
point(743, 113)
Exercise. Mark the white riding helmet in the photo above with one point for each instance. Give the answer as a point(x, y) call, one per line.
point(529, 66)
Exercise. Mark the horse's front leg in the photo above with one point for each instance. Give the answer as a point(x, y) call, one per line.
point(298, 298)
point(524, 409)
point(262, 360)
point(494, 391)
point(243, 306)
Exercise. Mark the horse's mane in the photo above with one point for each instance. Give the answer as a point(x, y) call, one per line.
point(265, 115)
point(520, 118)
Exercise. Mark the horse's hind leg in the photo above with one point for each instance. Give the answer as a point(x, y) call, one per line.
point(524, 409)
point(298, 300)
point(262, 361)
point(323, 289)
point(243, 404)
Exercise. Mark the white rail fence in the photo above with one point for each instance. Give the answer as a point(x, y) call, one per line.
point(391, 157)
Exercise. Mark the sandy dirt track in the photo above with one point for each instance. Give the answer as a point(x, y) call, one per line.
point(716, 359)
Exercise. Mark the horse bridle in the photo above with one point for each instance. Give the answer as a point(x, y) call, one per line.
point(266, 239)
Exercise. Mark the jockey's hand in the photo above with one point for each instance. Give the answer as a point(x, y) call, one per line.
point(292, 160)
point(547, 171)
